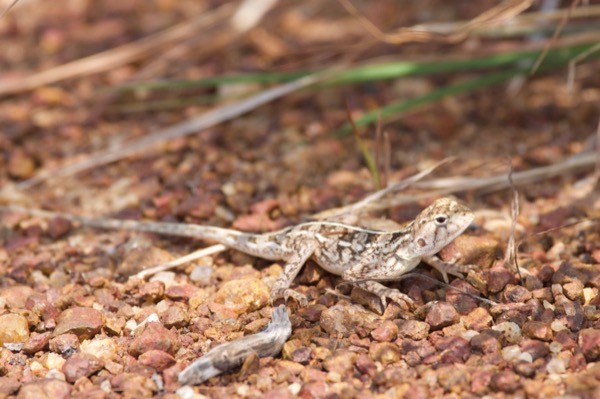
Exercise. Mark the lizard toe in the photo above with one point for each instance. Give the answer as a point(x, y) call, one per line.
point(298, 297)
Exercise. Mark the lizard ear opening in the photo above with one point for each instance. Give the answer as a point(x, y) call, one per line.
point(421, 242)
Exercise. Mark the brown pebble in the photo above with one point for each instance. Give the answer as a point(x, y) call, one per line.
point(21, 165)
point(441, 315)
point(341, 361)
point(566, 339)
point(312, 312)
point(537, 330)
point(384, 352)
point(498, 278)
point(453, 379)
point(575, 315)
point(485, 343)
point(81, 365)
point(505, 381)
point(83, 322)
point(9, 385)
point(413, 329)
point(546, 273)
point(574, 272)
point(301, 355)
point(152, 291)
point(346, 319)
point(64, 344)
point(386, 332)
point(480, 382)
point(473, 250)
point(574, 290)
point(181, 292)
point(242, 296)
point(13, 328)
point(543, 294)
point(132, 385)
point(58, 227)
point(46, 388)
point(516, 293)
point(464, 304)
point(478, 319)
point(589, 341)
point(153, 335)
point(453, 349)
point(365, 365)
point(156, 359)
point(176, 315)
point(533, 282)
point(537, 349)
point(16, 296)
point(36, 342)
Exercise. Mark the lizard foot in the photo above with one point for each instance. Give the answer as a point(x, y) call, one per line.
point(395, 296)
point(288, 293)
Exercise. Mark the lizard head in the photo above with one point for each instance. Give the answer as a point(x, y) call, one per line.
point(438, 225)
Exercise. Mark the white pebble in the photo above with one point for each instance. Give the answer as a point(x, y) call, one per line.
point(55, 374)
point(36, 367)
point(162, 306)
point(548, 305)
point(185, 392)
point(106, 386)
point(510, 330)
point(294, 388)
point(201, 274)
point(168, 278)
point(511, 352)
point(526, 357)
point(242, 390)
point(39, 277)
point(555, 347)
point(557, 289)
point(131, 325)
point(557, 325)
point(469, 334)
point(54, 361)
point(556, 366)
point(589, 294)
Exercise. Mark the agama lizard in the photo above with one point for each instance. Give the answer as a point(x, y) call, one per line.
point(360, 256)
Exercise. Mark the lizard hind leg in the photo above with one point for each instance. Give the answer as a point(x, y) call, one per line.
point(384, 293)
point(302, 250)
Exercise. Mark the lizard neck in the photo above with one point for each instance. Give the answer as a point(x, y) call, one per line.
point(402, 242)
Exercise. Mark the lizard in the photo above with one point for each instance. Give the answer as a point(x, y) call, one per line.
point(362, 257)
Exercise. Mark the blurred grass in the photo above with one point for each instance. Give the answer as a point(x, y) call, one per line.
point(491, 70)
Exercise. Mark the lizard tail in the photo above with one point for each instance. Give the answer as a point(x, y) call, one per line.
point(223, 236)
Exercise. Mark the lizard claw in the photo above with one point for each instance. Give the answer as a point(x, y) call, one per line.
point(395, 296)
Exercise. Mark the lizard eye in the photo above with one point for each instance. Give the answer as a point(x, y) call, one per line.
point(441, 220)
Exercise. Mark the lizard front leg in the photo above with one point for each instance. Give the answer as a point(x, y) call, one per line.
point(300, 251)
point(357, 274)
point(383, 292)
point(445, 268)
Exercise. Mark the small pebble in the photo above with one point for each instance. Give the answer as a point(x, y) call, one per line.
point(81, 365)
point(201, 274)
point(509, 353)
point(83, 322)
point(386, 332)
point(13, 328)
point(441, 315)
point(556, 366)
point(510, 330)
